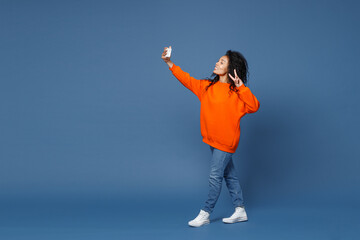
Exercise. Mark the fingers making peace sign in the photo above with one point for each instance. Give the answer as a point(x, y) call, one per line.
point(238, 82)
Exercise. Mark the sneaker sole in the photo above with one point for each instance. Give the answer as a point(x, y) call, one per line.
point(235, 220)
point(205, 223)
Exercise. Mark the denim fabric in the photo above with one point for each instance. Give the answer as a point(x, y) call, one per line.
point(222, 166)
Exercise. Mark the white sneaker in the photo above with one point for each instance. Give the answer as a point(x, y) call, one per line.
point(238, 216)
point(201, 219)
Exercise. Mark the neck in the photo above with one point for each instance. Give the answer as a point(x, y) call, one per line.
point(223, 79)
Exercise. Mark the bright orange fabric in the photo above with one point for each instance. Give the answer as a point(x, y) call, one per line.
point(220, 113)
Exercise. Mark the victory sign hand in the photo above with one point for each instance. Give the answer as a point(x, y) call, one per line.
point(238, 82)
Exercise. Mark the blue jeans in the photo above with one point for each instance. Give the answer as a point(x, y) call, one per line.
point(222, 166)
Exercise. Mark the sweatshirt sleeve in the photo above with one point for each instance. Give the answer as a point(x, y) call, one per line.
point(189, 82)
point(251, 102)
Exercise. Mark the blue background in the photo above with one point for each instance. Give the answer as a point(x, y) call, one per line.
point(98, 140)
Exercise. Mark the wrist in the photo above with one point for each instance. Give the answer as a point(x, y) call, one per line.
point(241, 86)
point(170, 64)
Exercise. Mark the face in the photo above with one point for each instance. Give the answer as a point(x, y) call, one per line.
point(221, 67)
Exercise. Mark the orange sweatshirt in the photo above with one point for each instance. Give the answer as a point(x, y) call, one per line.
point(220, 113)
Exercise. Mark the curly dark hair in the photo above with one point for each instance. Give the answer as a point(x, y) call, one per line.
point(236, 61)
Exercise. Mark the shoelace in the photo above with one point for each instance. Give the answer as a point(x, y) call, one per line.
point(202, 215)
point(237, 211)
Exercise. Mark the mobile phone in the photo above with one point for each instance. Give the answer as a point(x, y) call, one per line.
point(168, 52)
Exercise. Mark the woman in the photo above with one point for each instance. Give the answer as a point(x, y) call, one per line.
point(224, 101)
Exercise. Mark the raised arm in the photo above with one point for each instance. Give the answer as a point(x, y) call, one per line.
point(189, 82)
